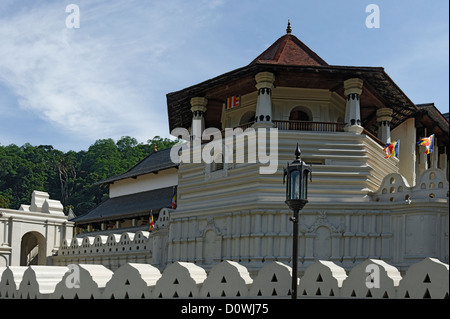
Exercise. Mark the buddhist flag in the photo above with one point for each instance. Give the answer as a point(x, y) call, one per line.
point(232, 102)
point(392, 149)
point(152, 221)
point(174, 197)
point(428, 143)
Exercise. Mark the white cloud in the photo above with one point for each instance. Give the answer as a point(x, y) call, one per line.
point(103, 79)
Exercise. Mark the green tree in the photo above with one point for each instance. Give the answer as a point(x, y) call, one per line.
point(70, 177)
point(160, 143)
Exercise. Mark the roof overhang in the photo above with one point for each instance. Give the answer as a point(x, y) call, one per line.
point(379, 90)
point(153, 163)
point(430, 118)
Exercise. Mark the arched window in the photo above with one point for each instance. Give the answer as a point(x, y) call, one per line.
point(298, 117)
point(247, 117)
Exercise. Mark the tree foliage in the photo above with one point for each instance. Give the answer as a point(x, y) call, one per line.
point(68, 177)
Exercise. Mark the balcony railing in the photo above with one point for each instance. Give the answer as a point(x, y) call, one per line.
point(302, 126)
point(309, 126)
point(373, 137)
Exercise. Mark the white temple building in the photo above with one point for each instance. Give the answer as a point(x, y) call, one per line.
point(361, 204)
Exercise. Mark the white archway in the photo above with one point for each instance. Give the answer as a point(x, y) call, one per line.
point(34, 232)
point(32, 249)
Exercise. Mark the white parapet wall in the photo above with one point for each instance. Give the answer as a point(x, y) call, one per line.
point(32, 234)
point(39, 282)
point(372, 279)
point(10, 281)
point(83, 282)
point(132, 281)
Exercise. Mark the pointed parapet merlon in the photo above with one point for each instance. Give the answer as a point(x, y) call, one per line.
point(227, 280)
point(373, 278)
point(133, 281)
point(425, 279)
point(323, 278)
point(273, 280)
point(82, 281)
point(180, 280)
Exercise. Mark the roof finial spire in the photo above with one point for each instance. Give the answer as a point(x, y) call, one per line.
point(288, 29)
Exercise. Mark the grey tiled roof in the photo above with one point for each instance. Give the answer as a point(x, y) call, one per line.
point(156, 161)
point(126, 206)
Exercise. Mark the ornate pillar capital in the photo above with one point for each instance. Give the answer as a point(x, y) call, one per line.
point(198, 104)
point(353, 86)
point(384, 114)
point(264, 80)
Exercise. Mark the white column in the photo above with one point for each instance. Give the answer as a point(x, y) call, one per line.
point(353, 89)
point(198, 108)
point(263, 115)
point(384, 118)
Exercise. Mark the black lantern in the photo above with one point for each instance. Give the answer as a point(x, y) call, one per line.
point(296, 174)
point(297, 182)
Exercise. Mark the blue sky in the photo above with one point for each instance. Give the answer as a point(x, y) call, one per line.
point(109, 78)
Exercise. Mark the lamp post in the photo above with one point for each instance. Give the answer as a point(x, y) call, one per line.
point(296, 174)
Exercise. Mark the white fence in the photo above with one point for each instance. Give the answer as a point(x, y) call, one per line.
point(370, 279)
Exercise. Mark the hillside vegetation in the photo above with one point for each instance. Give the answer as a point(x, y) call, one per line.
point(70, 176)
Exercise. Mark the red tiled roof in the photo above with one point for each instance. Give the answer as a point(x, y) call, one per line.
point(289, 50)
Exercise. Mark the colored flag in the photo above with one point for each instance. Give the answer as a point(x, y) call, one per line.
point(152, 221)
point(232, 102)
point(174, 197)
point(428, 143)
point(392, 149)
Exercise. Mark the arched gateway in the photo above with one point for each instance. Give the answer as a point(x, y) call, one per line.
point(33, 232)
